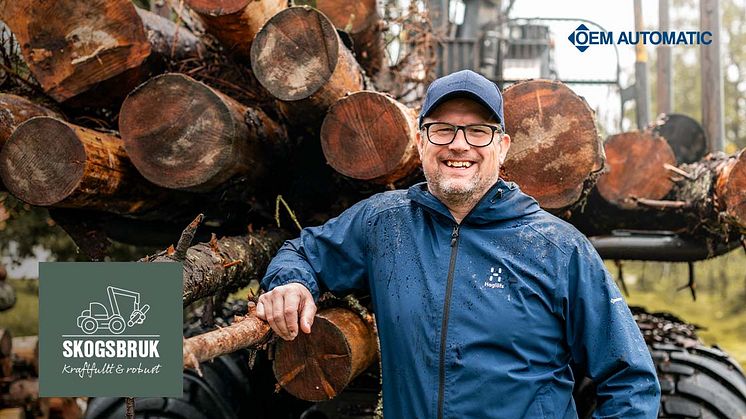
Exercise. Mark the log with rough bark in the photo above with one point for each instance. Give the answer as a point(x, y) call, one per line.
point(370, 136)
point(235, 23)
point(319, 365)
point(299, 58)
point(223, 265)
point(556, 154)
point(14, 110)
point(707, 200)
point(25, 352)
point(49, 162)
point(182, 134)
point(170, 40)
point(70, 46)
point(101, 48)
point(244, 332)
point(637, 164)
point(360, 19)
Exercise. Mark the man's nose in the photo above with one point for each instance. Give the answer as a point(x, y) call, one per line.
point(459, 142)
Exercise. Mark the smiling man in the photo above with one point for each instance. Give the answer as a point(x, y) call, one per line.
point(483, 301)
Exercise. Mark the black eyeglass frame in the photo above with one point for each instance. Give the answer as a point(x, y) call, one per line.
point(494, 128)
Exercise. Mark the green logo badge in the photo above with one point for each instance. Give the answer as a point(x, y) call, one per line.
point(110, 329)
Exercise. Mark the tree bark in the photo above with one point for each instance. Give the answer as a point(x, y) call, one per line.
point(81, 168)
point(169, 40)
point(360, 19)
point(556, 154)
point(299, 58)
point(70, 46)
point(371, 136)
point(224, 265)
point(15, 110)
point(244, 332)
point(235, 23)
point(637, 168)
point(319, 365)
point(707, 200)
point(183, 134)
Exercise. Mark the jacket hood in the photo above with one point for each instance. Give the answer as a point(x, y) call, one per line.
point(503, 201)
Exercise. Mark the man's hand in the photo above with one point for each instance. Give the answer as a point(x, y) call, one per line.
point(282, 306)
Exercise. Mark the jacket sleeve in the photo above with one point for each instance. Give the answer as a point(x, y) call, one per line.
point(328, 257)
point(605, 340)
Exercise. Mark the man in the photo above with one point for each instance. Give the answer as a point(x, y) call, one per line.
point(482, 299)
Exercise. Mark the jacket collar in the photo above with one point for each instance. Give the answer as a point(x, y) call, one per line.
point(503, 201)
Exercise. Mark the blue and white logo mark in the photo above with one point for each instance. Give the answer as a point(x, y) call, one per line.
point(580, 37)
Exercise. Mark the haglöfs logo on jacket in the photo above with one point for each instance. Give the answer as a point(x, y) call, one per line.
point(495, 279)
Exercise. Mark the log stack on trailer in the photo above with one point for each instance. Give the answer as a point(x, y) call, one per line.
point(273, 117)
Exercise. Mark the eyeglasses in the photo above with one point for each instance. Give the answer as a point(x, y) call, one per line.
point(477, 135)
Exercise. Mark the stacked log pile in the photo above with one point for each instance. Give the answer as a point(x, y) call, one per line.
point(270, 107)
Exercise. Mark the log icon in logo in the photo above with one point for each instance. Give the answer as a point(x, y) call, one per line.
point(97, 317)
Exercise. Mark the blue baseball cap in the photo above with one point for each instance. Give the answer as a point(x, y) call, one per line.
point(464, 83)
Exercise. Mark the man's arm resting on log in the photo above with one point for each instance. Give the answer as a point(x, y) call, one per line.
point(329, 257)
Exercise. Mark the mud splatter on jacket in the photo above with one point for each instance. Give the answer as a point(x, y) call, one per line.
point(481, 319)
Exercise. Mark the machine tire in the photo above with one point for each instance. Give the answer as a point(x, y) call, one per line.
point(696, 381)
point(117, 325)
point(699, 382)
point(89, 330)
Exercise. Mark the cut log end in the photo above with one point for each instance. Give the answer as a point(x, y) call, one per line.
point(555, 146)
point(733, 192)
point(318, 366)
point(295, 54)
point(368, 136)
point(217, 7)
point(72, 46)
point(637, 168)
point(178, 132)
point(25, 165)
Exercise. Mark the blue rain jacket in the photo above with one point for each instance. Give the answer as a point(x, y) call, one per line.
point(481, 319)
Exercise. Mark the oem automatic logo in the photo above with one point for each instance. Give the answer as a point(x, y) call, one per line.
point(582, 38)
point(101, 332)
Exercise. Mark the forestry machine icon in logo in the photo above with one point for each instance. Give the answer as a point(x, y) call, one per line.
point(98, 317)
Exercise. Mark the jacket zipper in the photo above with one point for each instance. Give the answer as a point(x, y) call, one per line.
point(444, 326)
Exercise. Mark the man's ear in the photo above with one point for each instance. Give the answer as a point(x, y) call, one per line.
point(418, 140)
point(504, 147)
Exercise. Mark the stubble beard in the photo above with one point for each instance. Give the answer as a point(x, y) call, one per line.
point(457, 192)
